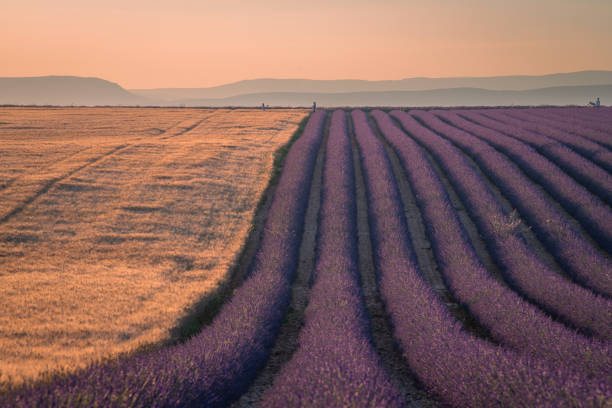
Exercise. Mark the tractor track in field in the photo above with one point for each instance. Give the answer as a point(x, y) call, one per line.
point(287, 339)
point(46, 186)
point(185, 129)
point(11, 181)
point(52, 182)
point(382, 332)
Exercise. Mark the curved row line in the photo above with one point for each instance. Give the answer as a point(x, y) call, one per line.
point(599, 120)
point(218, 364)
point(462, 370)
point(555, 119)
point(336, 364)
point(603, 115)
point(588, 148)
point(588, 118)
point(593, 177)
point(511, 321)
point(572, 250)
point(594, 215)
point(521, 267)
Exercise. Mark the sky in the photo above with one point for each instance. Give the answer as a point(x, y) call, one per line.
point(191, 43)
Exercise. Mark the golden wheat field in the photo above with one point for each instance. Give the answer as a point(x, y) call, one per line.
point(115, 221)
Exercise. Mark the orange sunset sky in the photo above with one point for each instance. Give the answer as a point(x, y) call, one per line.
point(189, 43)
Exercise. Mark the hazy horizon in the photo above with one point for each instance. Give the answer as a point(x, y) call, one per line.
point(192, 44)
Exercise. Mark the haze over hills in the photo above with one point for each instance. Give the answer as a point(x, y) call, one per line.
point(563, 95)
point(510, 83)
point(65, 90)
point(557, 89)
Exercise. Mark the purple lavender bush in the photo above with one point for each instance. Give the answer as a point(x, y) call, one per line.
point(589, 174)
point(335, 364)
point(572, 249)
point(521, 267)
point(462, 370)
point(561, 121)
point(594, 215)
point(600, 119)
point(586, 147)
point(510, 320)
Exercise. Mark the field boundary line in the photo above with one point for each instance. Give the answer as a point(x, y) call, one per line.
point(286, 343)
point(205, 309)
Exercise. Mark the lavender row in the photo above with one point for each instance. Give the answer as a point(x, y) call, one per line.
point(600, 119)
point(588, 148)
point(587, 119)
point(511, 320)
point(559, 121)
point(596, 179)
point(521, 267)
point(336, 364)
point(217, 365)
point(462, 370)
point(594, 215)
point(570, 248)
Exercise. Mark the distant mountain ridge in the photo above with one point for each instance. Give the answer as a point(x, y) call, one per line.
point(505, 83)
point(563, 95)
point(67, 90)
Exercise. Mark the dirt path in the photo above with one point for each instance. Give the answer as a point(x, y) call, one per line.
point(287, 339)
point(422, 247)
point(382, 332)
point(474, 236)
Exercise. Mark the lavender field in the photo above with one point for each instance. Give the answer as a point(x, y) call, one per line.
point(422, 258)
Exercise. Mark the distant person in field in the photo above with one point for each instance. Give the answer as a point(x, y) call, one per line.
point(263, 107)
point(596, 104)
point(314, 106)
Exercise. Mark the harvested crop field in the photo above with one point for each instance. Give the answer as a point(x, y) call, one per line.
point(423, 258)
point(115, 222)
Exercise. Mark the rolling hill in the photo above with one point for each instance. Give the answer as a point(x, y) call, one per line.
point(260, 86)
point(576, 88)
point(564, 95)
point(65, 90)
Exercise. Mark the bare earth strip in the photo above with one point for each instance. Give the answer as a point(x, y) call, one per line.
point(115, 221)
point(287, 339)
point(382, 332)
